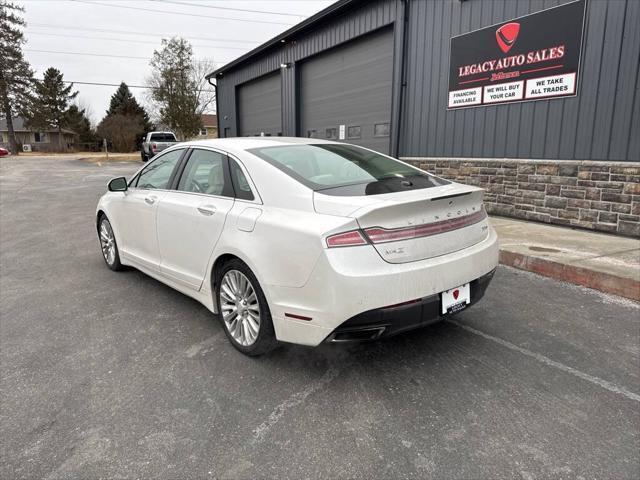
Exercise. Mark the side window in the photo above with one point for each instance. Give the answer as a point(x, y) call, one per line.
point(158, 173)
point(204, 173)
point(240, 182)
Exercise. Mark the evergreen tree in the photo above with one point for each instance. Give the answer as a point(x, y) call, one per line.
point(124, 103)
point(78, 121)
point(50, 105)
point(126, 121)
point(16, 76)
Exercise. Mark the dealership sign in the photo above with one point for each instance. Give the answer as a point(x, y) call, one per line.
point(528, 58)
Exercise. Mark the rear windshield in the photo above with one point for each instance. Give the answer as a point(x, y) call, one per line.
point(346, 170)
point(163, 137)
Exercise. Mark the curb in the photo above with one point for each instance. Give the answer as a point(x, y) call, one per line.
point(604, 282)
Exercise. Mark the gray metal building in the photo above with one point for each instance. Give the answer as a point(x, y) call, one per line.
point(377, 73)
point(383, 65)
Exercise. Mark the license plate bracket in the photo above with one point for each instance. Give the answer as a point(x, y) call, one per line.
point(454, 300)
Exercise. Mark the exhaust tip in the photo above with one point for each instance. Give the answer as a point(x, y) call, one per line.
point(357, 335)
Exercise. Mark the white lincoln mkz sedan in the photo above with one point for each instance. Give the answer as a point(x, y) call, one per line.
point(301, 240)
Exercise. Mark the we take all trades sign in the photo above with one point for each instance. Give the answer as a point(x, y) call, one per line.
point(528, 58)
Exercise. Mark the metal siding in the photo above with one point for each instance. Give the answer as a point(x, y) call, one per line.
point(601, 122)
point(633, 150)
point(598, 124)
point(621, 127)
point(326, 34)
point(605, 97)
point(332, 90)
point(592, 57)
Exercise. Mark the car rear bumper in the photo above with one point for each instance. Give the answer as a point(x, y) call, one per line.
point(355, 286)
point(386, 322)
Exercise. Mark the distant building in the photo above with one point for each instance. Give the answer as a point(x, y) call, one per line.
point(209, 126)
point(46, 140)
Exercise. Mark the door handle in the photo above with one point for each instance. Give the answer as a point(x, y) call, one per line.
point(150, 200)
point(207, 210)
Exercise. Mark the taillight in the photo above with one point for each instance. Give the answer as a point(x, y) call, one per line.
point(154, 146)
point(346, 239)
point(382, 235)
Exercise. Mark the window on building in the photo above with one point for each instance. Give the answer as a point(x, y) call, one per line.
point(311, 134)
point(354, 131)
point(203, 132)
point(381, 130)
point(332, 133)
point(40, 137)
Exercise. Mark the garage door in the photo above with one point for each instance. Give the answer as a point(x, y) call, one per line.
point(349, 86)
point(259, 106)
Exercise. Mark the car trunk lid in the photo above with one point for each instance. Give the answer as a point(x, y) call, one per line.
point(417, 224)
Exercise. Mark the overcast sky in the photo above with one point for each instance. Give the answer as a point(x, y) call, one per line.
point(118, 27)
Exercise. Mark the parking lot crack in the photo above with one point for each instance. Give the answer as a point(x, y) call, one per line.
point(293, 401)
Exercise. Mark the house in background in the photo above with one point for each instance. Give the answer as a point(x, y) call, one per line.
point(209, 126)
point(47, 140)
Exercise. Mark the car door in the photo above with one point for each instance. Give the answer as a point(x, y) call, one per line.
point(137, 218)
point(191, 218)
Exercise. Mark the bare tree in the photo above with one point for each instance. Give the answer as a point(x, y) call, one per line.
point(206, 93)
point(121, 130)
point(178, 88)
point(87, 108)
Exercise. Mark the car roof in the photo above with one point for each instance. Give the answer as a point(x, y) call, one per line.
point(237, 144)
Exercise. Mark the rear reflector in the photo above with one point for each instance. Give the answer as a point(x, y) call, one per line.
point(297, 317)
point(382, 235)
point(346, 239)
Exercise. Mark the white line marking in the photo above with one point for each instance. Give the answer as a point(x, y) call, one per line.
point(293, 401)
point(552, 363)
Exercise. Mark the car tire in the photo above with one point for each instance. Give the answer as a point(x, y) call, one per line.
point(108, 245)
point(241, 328)
point(144, 156)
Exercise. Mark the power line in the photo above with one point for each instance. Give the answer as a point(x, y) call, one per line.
point(227, 8)
point(129, 41)
point(86, 54)
point(118, 84)
point(91, 54)
point(179, 13)
point(142, 34)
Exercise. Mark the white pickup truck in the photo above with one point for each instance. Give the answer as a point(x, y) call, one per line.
point(155, 142)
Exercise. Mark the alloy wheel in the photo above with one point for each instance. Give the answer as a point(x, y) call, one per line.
point(239, 307)
point(107, 242)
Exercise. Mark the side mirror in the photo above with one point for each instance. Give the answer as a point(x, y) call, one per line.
point(118, 185)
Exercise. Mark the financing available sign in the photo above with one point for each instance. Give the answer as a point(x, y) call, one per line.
point(528, 58)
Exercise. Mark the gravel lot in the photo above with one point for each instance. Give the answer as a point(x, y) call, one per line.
point(114, 375)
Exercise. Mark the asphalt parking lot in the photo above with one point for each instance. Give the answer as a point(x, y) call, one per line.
point(113, 375)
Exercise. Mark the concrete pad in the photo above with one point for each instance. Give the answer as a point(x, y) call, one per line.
point(605, 262)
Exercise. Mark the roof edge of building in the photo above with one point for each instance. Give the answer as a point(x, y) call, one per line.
point(321, 15)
